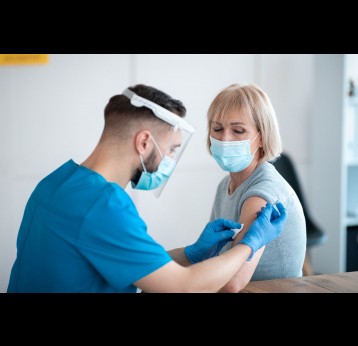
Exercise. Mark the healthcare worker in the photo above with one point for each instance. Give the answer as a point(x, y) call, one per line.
point(82, 233)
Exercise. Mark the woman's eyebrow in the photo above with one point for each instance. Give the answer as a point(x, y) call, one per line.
point(233, 123)
point(237, 123)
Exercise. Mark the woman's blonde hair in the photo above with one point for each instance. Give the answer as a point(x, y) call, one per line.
point(252, 102)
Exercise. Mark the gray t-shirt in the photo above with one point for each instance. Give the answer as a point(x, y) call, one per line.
point(284, 256)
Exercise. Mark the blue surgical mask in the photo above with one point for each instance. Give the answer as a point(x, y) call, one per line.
point(232, 156)
point(151, 181)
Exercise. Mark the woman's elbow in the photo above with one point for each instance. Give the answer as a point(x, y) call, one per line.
point(235, 286)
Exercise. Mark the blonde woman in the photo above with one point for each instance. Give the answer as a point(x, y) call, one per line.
point(243, 135)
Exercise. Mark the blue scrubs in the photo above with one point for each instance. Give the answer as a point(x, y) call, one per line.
point(80, 233)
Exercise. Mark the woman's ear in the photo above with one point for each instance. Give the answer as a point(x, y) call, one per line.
point(141, 141)
point(260, 142)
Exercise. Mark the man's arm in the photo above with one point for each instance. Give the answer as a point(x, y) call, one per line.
point(212, 274)
point(206, 276)
point(248, 215)
point(215, 232)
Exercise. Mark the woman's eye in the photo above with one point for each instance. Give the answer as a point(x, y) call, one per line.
point(239, 131)
point(217, 129)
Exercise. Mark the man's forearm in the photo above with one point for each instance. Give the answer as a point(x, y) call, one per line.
point(178, 255)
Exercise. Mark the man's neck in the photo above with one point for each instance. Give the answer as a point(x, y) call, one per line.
point(114, 167)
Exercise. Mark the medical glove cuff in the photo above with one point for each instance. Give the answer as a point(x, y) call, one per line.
point(252, 243)
point(192, 255)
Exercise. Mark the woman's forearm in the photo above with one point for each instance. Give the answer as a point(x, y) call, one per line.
point(178, 255)
point(211, 275)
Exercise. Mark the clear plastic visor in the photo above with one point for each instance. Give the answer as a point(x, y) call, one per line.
point(174, 142)
point(173, 146)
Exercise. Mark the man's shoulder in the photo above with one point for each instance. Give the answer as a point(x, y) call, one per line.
point(114, 207)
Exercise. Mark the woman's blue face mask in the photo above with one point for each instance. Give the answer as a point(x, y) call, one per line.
point(232, 156)
point(151, 181)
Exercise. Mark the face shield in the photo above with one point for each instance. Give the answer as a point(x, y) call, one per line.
point(176, 141)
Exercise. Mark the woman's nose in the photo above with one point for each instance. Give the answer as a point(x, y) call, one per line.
point(226, 136)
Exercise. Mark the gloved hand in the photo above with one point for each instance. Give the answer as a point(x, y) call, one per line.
point(215, 232)
point(267, 227)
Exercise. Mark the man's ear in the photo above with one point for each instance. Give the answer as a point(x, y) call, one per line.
point(141, 141)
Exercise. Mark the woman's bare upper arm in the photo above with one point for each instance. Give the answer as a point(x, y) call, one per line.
point(248, 214)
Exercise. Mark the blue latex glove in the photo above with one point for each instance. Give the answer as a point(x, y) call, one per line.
point(216, 232)
point(267, 227)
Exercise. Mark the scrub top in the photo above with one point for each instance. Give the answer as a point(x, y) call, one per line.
point(81, 233)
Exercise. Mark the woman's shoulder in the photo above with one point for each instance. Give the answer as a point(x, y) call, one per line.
point(223, 183)
point(266, 172)
point(265, 182)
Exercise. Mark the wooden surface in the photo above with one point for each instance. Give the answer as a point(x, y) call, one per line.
point(341, 282)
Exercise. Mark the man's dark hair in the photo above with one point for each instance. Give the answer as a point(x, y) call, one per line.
point(120, 114)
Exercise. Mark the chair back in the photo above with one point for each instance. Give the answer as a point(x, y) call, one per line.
point(285, 167)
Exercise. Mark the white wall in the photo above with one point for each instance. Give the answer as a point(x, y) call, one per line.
point(289, 81)
point(51, 113)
